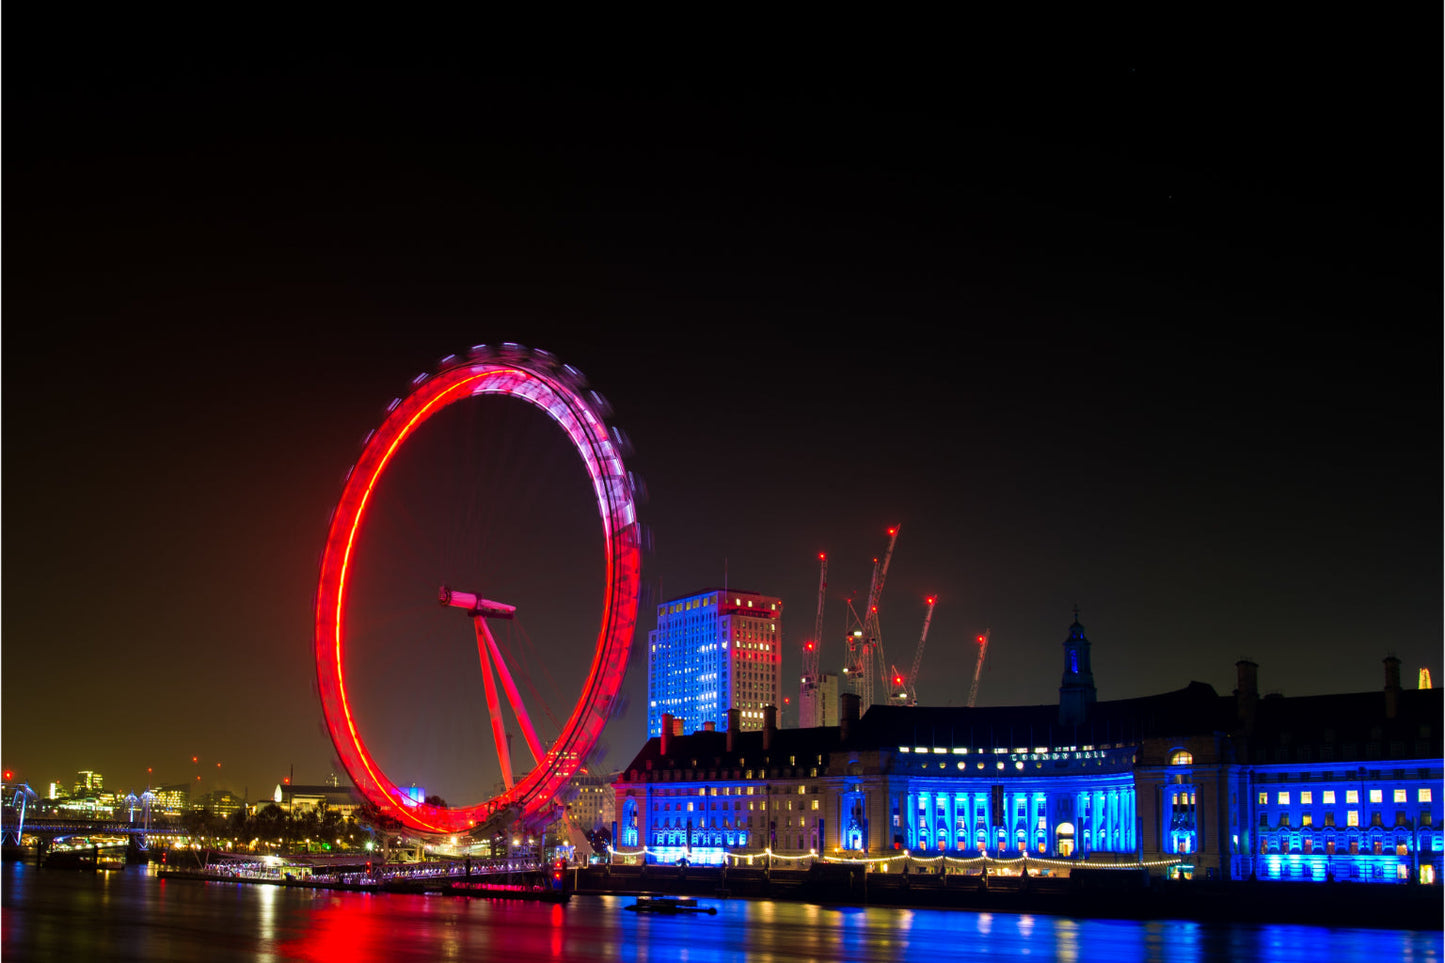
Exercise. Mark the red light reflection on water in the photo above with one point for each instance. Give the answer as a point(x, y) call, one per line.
point(359, 927)
point(338, 931)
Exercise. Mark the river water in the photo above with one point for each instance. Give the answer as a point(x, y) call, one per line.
point(130, 915)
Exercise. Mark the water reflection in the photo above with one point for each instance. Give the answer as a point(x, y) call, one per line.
point(52, 914)
point(1066, 941)
point(266, 917)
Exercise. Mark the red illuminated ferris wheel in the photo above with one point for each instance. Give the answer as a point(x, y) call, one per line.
point(536, 378)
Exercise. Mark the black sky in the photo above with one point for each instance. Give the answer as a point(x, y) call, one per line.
point(1153, 332)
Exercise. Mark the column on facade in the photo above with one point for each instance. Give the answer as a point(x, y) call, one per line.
point(1115, 838)
point(1100, 821)
point(1130, 842)
point(1009, 819)
point(929, 821)
point(990, 819)
point(1081, 824)
point(958, 839)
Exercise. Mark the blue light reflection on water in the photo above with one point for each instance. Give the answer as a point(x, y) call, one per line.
point(53, 914)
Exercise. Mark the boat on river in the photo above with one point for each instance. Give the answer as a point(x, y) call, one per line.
point(669, 905)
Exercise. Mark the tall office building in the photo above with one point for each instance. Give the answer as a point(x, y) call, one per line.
point(818, 701)
point(711, 652)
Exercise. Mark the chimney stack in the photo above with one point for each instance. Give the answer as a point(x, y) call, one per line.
point(1392, 686)
point(666, 732)
point(848, 704)
point(735, 726)
point(1246, 695)
point(770, 725)
point(709, 726)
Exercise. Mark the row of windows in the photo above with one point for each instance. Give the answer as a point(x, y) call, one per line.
point(779, 805)
point(679, 822)
point(1349, 775)
point(1352, 796)
point(1377, 847)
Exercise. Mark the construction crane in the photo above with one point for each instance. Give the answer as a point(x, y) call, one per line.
point(905, 688)
point(978, 669)
point(810, 708)
point(865, 641)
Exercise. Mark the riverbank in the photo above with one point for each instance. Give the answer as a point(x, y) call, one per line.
point(1113, 895)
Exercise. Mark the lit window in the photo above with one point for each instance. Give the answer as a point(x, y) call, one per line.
point(1329, 795)
point(1424, 795)
point(1284, 798)
point(1376, 796)
point(1264, 798)
point(1352, 817)
point(1182, 757)
point(1306, 798)
point(1352, 796)
point(1401, 796)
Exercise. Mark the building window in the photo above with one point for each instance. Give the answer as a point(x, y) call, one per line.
point(1284, 799)
point(1306, 798)
point(1264, 799)
point(1352, 796)
point(1352, 817)
point(1329, 797)
point(1424, 795)
point(1181, 757)
point(1376, 796)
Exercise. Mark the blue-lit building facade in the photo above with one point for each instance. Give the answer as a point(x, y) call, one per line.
point(1187, 783)
point(712, 651)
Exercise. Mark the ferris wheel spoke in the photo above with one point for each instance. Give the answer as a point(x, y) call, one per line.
point(494, 709)
point(519, 709)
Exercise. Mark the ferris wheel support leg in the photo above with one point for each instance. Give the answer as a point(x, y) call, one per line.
point(494, 709)
point(534, 745)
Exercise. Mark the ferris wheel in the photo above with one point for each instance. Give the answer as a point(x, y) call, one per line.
point(528, 793)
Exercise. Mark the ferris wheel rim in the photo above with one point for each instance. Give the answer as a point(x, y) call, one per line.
point(561, 395)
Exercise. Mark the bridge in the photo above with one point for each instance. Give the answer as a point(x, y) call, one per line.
point(48, 829)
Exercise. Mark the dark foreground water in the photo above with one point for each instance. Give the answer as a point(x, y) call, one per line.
point(129, 915)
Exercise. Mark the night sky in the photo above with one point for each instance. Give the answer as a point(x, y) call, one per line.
point(1149, 333)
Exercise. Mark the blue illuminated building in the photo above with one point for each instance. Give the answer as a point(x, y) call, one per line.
point(713, 651)
point(1189, 782)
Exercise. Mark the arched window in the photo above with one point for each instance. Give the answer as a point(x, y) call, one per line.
point(1181, 757)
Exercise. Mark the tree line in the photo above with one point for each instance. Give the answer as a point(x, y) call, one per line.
point(271, 827)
